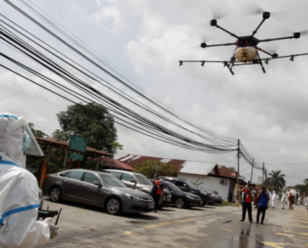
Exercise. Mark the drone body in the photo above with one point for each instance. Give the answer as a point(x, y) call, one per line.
point(247, 49)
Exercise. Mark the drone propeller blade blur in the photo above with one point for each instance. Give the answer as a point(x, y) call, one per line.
point(254, 9)
point(219, 12)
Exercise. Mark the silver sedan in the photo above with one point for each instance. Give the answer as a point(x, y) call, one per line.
point(97, 189)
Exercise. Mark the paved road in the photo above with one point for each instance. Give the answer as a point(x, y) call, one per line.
point(218, 226)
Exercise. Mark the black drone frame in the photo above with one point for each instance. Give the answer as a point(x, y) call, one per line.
point(246, 41)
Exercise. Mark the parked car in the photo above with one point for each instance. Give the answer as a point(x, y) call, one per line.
point(97, 189)
point(41, 198)
point(187, 186)
point(140, 182)
point(182, 199)
point(217, 198)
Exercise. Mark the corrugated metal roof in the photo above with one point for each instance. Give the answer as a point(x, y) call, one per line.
point(199, 168)
point(127, 158)
point(135, 157)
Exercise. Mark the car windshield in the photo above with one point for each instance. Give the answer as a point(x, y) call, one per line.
point(172, 187)
point(190, 185)
point(143, 180)
point(112, 181)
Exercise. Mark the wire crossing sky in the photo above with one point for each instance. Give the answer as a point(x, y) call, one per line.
point(40, 50)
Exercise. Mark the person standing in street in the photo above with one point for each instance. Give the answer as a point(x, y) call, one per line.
point(291, 200)
point(19, 192)
point(246, 203)
point(273, 199)
point(283, 200)
point(156, 191)
point(262, 199)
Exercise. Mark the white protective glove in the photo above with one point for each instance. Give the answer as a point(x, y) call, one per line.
point(52, 228)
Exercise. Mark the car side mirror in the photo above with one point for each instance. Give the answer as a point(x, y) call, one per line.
point(98, 183)
point(133, 181)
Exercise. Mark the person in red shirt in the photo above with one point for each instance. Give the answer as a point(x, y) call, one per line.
point(156, 191)
point(246, 203)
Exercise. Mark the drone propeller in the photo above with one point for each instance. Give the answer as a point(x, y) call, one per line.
point(254, 9)
point(219, 12)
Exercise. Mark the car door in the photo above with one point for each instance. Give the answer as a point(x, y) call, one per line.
point(93, 194)
point(182, 186)
point(72, 186)
point(126, 179)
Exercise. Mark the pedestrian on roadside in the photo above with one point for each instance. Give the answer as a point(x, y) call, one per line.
point(273, 199)
point(262, 199)
point(291, 200)
point(156, 191)
point(246, 203)
point(283, 200)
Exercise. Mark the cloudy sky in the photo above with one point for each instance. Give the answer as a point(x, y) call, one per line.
point(146, 39)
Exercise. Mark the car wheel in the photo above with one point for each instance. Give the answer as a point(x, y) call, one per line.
point(55, 194)
point(179, 202)
point(113, 206)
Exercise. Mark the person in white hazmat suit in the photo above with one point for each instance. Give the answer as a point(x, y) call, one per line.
point(283, 200)
point(19, 195)
point(273, 198)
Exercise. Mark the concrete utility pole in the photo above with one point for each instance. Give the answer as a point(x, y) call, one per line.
point(253, 161)
point(238, 163)
point(263, 173)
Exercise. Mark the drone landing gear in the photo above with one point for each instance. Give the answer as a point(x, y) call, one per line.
point(260, 62)
point(229, 66)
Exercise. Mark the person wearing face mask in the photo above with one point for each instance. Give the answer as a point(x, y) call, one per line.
point(246, 203)
point(19, 192)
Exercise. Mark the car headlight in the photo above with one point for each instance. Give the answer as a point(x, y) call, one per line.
point(190, 197)
point(132, 197)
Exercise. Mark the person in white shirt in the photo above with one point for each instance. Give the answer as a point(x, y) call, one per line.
point(273, 198)
point(283, 200)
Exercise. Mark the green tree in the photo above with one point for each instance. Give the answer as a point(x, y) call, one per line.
point(233, 169)
point(150, 167)
point(92, 122)
point(37, 133)
point(276, 180)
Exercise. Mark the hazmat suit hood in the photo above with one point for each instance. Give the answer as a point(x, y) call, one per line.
point(17, 140)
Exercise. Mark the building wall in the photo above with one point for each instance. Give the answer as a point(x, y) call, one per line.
point(208, 183)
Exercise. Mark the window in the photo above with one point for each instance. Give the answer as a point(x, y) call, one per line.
point(112, 181)
point(127, 177)
point(90, 178)
point(75, 175)
point(64, 174)
point(180, 184)
point(115, 173)
point(143, 180)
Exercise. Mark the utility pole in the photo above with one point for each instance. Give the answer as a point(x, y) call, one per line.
point(253, 161)
point(263, 174)
point(238, 164)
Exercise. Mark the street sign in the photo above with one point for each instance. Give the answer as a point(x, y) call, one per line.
point(78, 144)
point(76, 156)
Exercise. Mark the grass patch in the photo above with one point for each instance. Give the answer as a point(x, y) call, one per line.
point(230, 204)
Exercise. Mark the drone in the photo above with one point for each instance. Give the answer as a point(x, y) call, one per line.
point(247, 49)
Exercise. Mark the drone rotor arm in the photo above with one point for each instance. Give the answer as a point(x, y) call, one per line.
point(256, 30)
point(217, 26)
point(226, 44)
point(282, 38)
point(273, 55)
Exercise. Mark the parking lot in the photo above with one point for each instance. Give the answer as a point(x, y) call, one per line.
point(209, 226)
